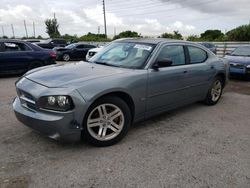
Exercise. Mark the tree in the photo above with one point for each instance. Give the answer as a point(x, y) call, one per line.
point(211, 35)
point(193, 38)
point(93, 37)
point(175, 35)
point(52, 28)
point(241, 33)
point(127, 34)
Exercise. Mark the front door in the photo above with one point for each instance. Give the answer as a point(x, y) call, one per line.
point(167, 86)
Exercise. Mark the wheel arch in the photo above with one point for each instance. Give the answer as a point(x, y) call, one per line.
point(223, 78)
point(122, 95)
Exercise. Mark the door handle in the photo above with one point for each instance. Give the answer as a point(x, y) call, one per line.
point(212, 67)
point(185, 71)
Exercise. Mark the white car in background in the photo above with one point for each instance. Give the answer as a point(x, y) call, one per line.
point(92, 52)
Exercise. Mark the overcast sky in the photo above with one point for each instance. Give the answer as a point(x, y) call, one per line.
point(148, 17)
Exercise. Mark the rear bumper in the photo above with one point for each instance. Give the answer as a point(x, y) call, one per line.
point(61, 127)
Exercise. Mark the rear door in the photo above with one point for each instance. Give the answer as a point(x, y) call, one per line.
point(15, 57)
point(200, 71)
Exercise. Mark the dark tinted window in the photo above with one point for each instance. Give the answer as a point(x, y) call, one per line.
point(80, 46)
point(197, 55)
point(12, 46)
point(174, 53)
point(59, 41)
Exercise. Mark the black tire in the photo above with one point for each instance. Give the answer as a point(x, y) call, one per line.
point(127, 121)
point(209, 99)
point(66, 57)
point(35, 64)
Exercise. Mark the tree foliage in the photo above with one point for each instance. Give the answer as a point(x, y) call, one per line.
point(175, 35)
point(127, 34)
point(93, 37)
point(52, 28)
point(193, 38)
point(241, 33)
point(211, 35)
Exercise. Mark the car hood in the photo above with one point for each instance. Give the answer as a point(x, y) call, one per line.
point(238, 59)
point(67, 74)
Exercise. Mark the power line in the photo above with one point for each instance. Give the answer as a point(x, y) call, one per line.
point(173, 9)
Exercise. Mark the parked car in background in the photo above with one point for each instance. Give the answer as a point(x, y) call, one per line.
point(52, 43)
point(17, 56)
point(128, 81)
point(92, 52)
point(33, 40)
point(239, 61)
point(209, 46)
point(75, 51)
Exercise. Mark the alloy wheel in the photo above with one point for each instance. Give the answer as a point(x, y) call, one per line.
point(105, 122)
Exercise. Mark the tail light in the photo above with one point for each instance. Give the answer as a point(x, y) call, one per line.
point(53, 54)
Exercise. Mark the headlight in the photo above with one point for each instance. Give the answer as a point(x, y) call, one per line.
point(57, 103)
point(248, 66)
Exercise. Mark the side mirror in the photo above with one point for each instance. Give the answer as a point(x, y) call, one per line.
point(166, 62)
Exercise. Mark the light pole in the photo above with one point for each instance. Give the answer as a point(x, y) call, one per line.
point(104, 13)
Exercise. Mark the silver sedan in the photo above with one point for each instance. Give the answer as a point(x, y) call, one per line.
point(128, 81)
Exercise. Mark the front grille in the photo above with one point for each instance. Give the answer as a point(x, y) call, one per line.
point(27, 100)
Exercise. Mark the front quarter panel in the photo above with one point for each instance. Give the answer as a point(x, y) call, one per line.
point(133, 83)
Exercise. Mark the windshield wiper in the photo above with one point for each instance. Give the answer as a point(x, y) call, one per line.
point(104, 63)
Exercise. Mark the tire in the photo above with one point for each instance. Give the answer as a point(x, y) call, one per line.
point(106, 122)
point(66, 57)
point(35, 64)
point(215, 92)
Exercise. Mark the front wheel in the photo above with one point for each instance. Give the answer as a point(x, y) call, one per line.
point(215, 92)
point(107, 121)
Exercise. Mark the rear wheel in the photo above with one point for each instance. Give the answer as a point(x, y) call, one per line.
point(66, 57)
point(107, 121)
point(215, 92)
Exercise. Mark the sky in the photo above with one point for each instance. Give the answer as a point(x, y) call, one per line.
point(148, 17)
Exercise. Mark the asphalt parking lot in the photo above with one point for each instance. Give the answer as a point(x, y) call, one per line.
point(195, 146)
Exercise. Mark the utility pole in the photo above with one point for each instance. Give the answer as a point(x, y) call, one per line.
point(55, 22)
point(114, 31)
point(104, 13)
point(3, 30)
point(98, 30)
point(24, 22)
point(34, 30)
point(13, 32)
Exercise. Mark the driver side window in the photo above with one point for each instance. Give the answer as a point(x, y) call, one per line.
point(174, 53)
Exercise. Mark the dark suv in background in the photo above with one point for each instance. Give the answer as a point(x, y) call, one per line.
point(17, 56)
point(52, 43)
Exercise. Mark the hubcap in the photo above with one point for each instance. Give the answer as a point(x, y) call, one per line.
point(216, 90)
point(105, 122)
point(66, 57)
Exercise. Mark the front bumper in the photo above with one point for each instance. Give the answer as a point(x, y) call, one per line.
point(61, 127)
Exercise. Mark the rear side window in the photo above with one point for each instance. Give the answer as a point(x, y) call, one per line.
point(174, 53)
point(12, 46)
point(80, 46)
point(197, 55)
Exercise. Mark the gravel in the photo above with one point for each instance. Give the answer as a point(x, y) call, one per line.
point(194, 146)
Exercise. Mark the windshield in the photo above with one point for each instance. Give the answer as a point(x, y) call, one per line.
point(71, 46)
point(242, 51)
point(124, 54)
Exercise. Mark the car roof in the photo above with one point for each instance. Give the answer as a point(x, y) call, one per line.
point(12, 40)
point(152, 40)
